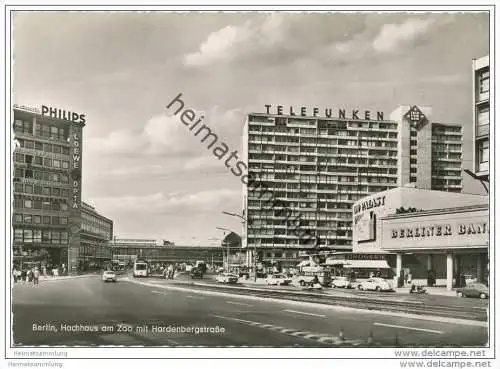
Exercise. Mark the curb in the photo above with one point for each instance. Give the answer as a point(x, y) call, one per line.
point(55, 279)
point(316, 305)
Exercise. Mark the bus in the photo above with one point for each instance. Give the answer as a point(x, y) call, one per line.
point(359, 266)
point(140, 269)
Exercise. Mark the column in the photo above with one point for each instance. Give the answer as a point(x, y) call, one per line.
point(449, 271)
point(399, 266)
point(429, 262)
point(480, 268)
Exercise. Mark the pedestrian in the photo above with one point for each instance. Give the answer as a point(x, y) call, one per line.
point(14, 274)
point(23, 276)
point(36, 276)
point(409, 278)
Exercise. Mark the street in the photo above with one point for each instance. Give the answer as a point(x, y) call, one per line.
point(219, 320)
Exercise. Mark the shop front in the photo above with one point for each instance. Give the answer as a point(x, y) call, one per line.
point(439, 247)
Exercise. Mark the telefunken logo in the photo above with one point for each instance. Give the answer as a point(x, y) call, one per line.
point(328, 113)
point(189, 118)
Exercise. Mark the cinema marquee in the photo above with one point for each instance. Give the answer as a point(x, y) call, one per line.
point(327, 113)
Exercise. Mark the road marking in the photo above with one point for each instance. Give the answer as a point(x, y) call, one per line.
point(304, 313)
point(409, 328)
point(319, 305)
point(194, 297)
point(159, 292)
point(238, 303)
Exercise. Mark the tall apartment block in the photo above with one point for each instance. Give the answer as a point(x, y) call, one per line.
point(47, 186)
point(481, 117)
point(318, 164)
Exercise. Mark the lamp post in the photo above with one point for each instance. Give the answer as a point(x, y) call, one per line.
point(245, 221)
point(227, 244)
point(476, 177)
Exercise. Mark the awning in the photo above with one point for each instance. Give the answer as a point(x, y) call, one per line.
point(370, 264)
point(303, 263)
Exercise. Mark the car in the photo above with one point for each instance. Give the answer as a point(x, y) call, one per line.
point(109, 275)
point(228, 278)
point(375, 284)
point(278, 280)
point(303, 280)
point(341, 282)
point(474, 289)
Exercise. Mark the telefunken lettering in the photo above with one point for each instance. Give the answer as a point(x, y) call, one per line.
point(327, 112)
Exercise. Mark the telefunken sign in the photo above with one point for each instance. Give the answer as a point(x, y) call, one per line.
point(327, 112)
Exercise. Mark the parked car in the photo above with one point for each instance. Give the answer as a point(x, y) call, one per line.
point(228, 278)
point(278, 280)
point(109, 275)
point(375, 284)
point(474, 289)
point(341, 282)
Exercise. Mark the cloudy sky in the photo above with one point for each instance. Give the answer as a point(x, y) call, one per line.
point(146, 171)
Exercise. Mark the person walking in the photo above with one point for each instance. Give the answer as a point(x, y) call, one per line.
point(36, 276)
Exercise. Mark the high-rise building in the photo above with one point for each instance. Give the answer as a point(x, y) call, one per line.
point(47, 186)
point(306, 171)
point(481, 115)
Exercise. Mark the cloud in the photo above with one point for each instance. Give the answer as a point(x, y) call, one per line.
point(392, 36)
point(232, 41)
point(159, 202)
point(166, 135)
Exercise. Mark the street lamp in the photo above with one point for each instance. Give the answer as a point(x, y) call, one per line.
point(475, 176)
point(227, 243)
point(245, 221)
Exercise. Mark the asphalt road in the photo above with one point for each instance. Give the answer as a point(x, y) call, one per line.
point(219, 320)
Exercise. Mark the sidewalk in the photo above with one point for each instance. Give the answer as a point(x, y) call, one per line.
point(439, 291)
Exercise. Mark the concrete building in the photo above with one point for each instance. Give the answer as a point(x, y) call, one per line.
point(422, 230)
point(307, 169)
point(481, 115)
point(47, 186)
point(96, 233)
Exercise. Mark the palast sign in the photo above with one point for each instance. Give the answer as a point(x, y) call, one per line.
point(327, 112)
point(369, 204)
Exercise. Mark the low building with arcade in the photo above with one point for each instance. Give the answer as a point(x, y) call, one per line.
point(432, 238)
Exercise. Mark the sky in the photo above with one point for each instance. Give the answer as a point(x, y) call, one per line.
point(147, 172)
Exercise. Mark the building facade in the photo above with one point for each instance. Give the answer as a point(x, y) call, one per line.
point(47, 169)
point(306, 171)
point(424, 230)
point(95, 236)
point(481, 115)
point(127, 250)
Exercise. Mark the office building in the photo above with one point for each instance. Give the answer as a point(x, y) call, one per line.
point(96, 233)
point(47, 185)
point(317, 164)
point(481, 115)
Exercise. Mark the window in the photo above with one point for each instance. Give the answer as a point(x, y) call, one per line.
point(46, 220)
point(39, 146)
point(64, 206)
point(28, 188)
point(55, 220)
point(64, 192)
point(29, 144)
point(413, 179)
point(64, 178)
point(483, 115)
point(46, 205)
point(54, 133)
point(28, 236)
point(64, 237)
point(47, 162)
point(38, 160)
point(65, 164)
point(413, 161)
point(56, 163)
point(18, 172)
point(46, 236)
point(28, 173)
point(63, 220)
point(19, 158)
point(18, 187)
point(55, 236)
point(27, 219)
point(29, 159)
point(47, 147)
point(37, 204)
point(484, 82)
point(65, 150)
point(18, 235)
point(413, 142)
point(18, 202)
point(37, 236)
point(56, 192)
point(413, 152)
point(46, 191)
point(28, 204)
point(413, 170)
point(18, 218)
point(56, 149)
point(37, 219)
point(38, 190)
point(484, 151)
